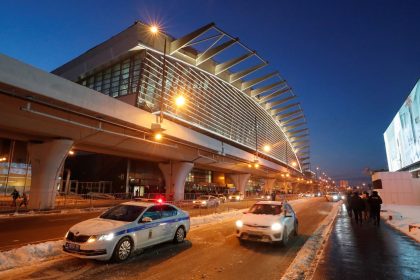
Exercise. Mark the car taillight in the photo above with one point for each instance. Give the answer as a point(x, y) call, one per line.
point(160, 200)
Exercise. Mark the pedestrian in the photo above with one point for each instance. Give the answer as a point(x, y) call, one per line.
point(348, 203)
point(375, 202)
point(358, 206)
point(24, 200)
point(366, 211)
point(15, 195)
point(273, 196)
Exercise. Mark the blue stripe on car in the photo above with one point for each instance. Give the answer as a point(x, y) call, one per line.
point(149, 225)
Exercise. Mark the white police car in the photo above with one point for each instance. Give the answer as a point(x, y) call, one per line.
point(125, 228)
point(268, 221)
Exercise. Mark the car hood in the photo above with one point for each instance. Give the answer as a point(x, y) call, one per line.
point(98, 226)
point(260, 220)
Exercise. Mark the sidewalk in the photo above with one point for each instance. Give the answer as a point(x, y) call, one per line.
point(367, 252)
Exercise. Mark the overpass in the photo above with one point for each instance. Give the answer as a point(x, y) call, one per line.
point(226, 125)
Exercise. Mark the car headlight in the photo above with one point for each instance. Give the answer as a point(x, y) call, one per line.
point(194, 201)
point(239, 224)
point(276, 226)
point(204, 202)
point(230, 197)
point(106, 237)
point(335, 197)
point(343, 197)
point(67, 235)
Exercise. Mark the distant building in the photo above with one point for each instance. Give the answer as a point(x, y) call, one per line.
point(344, 184)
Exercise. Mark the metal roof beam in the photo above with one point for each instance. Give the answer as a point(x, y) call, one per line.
point(302, 148)
point(296, 132)
point(239, 75)
point(273, 95)
point(221, 67)
point(246, 85)
point(261, 90)
point(279, 102)
point(288, 115)
point(282, 109)
point(184, 41)
point(209, 53)
point(293, 139)
point(303, 159)
point(292, 120)
point(291, 127)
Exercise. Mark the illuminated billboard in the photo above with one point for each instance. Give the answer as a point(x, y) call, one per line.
point(402, 137)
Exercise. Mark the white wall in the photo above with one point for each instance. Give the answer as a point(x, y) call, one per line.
point(398, 188)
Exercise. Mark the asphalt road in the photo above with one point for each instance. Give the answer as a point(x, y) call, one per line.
point(210, 252)
point(22, 230)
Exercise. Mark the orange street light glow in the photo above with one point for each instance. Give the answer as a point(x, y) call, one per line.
point(154, 29)
point(266, 148)
point(180, 101)
point(158, 136)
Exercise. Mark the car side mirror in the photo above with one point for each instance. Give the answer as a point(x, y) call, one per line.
point(287, 214)
point(146, 220)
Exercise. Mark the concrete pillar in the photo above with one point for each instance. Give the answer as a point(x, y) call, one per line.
point(47, 160)
point(269, 184)
point(240, 180)
point(175, 174)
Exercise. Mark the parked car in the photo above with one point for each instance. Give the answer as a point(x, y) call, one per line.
point(125, 228)
point(222, 198)
point(333, 196)
point(236, 196)
point(268, 221)
point(206, 201)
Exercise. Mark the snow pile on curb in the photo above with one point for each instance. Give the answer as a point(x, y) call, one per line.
point(402, 217)
point(29, 254)
point(305, 261)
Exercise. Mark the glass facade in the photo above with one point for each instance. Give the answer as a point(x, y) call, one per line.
point(212, 104)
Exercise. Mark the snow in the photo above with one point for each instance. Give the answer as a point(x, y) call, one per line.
point(213, 218)
point(53, 212)
point(402, 217)
point(29, 254)
point(307, 258)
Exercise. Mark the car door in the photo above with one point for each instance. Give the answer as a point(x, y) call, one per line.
point(289, 221)
point(150, 232)
point(169, 221)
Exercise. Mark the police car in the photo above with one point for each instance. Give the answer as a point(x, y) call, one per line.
point(268, 221)
point(125, 228)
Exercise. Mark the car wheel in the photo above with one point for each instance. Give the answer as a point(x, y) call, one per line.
point(179, 235)
point(123, 249)
point(285, 238)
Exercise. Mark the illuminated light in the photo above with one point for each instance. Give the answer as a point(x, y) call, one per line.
point(294, 164)
point(160, 200)
point(282, 175)
point(249, 165)
point(180, 101)
point(71, 152)
point(256, 165)
point(266, 148)
point(92, 239)
point(287, 175)
point(154, 29)
point(239, 223)
point(3, 159)
point(158, 136)
point(276, 226)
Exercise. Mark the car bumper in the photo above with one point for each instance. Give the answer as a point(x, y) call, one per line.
point(98, 250)
point(260, 235)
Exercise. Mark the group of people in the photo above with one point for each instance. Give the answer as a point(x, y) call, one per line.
point(16, 195)
point(364, 208)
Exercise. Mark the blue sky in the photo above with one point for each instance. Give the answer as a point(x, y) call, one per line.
point(352, 63)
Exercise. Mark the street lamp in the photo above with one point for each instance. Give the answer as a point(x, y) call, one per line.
point(179, 101)
point(267, 148)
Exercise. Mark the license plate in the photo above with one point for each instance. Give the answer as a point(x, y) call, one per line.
point(254, 233)
point(72, 246)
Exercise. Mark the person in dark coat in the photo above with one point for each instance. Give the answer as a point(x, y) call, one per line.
point(358, 206)
point(375, 202)
point(273, 196)
point(24, 200)
point(15, 195)
point(366, 211)
point(348, 203)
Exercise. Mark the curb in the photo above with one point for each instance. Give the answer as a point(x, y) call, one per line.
point(306, 260)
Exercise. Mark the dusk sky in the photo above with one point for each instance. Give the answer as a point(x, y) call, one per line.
point(351, 63)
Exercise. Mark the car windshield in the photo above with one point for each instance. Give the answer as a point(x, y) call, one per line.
point(125, 213)
point(265, 209)
point(203, 197)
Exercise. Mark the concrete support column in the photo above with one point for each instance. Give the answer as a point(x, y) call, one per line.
point(175, 174)
point(269, 184)
point(47, 160)
point(240, 180)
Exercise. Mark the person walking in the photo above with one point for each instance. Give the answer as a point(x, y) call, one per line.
point(24, 200)
point(366, 211)
point(15, 195)
point(357, 205)
point(348, 204)
point(273, 196)
point(375, 202)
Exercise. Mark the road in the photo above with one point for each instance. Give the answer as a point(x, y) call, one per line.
point(22, 230)
point(210, 252)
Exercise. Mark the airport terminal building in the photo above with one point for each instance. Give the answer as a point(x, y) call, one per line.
point(166, 113)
